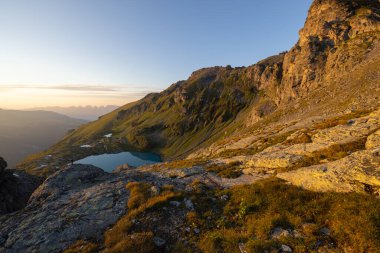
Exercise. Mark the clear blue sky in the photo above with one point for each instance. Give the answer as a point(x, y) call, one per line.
point(142, 44)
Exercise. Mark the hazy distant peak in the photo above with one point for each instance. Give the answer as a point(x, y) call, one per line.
point(87, 112)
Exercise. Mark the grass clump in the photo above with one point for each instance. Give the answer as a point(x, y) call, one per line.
point(224, 240)
point(264, 143)
point(340, 120)
point(247, 216)
point(133, 243)
point(121, 238)
point(253, 212)
point(186, 163)
point(230, 170)
point(83, 247)
point(141, 200)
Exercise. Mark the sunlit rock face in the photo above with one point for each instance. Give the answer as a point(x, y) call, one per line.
point(318, 56)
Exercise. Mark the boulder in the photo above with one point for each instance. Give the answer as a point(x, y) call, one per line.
point(158, 241)
point(3, 164)
point(15, 188)
point(125, 166)
point(285, 248)
point(279, 233)
point(78, 202)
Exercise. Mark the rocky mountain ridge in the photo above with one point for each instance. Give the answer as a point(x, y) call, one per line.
point(340, 38)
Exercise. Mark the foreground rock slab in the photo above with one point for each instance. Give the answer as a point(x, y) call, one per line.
point(76, 203)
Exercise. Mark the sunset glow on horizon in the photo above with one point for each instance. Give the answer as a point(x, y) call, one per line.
point(94, 52)
point(31, 97)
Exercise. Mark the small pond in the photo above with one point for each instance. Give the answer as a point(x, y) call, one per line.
point(109, 162)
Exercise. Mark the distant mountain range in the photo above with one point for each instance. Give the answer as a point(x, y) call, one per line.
point(89, 113)
point(26, 132)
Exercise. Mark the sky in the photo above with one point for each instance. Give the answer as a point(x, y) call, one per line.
point(99, 52)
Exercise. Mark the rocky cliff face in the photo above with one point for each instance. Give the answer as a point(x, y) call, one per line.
point(317, 57)
point(15, 188)
point(337, 53)
point(332, 68)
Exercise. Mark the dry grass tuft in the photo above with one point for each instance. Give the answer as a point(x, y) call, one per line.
point(82, 247)
point(141, 200)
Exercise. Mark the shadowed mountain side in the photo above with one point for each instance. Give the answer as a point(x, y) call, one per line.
point(23, 133)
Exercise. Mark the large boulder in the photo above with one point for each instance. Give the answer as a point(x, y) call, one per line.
point(15, 188)
point(3, 164)
point(78, 202)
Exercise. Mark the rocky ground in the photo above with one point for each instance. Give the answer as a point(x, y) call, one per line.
point(80, 202)
point(322, 154)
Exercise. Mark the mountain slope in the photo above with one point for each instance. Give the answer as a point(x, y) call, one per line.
point(335, 57)
point(23, 133)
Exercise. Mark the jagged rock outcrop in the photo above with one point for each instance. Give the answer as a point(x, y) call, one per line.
point(319, 54)
point(15, 188)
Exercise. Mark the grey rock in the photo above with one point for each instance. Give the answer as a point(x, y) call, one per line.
point(123, 167)
point(325, 231)
point(3, 164)
point(189, 204)
point(175, 203)
point(278, 233)
point(79, 202)
point(186, 172)
point(285, 248)
point(15, 188)
point(224, 197)
point(159, 241)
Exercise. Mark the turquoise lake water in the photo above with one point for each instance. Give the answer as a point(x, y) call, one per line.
point(109, 162)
